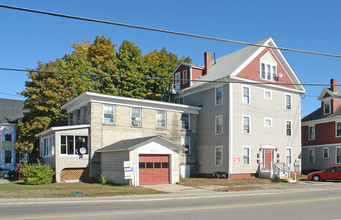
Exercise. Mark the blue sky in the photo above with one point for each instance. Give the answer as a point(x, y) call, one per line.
point(27, 38)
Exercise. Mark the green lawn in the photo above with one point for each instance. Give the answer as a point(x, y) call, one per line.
point(58, 190)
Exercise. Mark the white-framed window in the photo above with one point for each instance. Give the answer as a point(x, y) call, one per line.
point(219, 95)
point(135, 116)
point(47, 146)
point(325, 152)
point(326, 107)
point(246, 124)
point(177, 81)
point(185, 121)
point(338, 155)
point(288, 101)
point(311, 156)
point(7, 133)
point(8, 136)
point(218, 124)
point(288, 128)
point(268, 72)
point(311, 132)
point(288, 155)
point(161, 119)
point(108, 113)
point(246, 95)
point(246, 156)
point(184, 77)
point(267, 94)
point(218, 153)
point(268, 122)
point(186, 143)
point(73, 145)
point(338, 129)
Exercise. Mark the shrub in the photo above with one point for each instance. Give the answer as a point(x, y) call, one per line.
point(103, 179)
point(37, 174)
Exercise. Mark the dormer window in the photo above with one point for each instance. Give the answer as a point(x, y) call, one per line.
point(184, 77)
point(327, 107)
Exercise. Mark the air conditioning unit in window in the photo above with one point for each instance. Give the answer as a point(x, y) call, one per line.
point(135, 123)
point(297, 162)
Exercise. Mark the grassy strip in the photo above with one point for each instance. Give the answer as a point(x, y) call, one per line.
point(57, 190)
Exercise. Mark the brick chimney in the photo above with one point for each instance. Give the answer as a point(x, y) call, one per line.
point(207, 57)
point(333, 85)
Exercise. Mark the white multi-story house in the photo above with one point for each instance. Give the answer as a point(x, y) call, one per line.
point(250, 118)
point(10, 112)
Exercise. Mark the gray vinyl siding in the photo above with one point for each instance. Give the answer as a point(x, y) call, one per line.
point(320, 162)
point(260, 135)
point(207, 139)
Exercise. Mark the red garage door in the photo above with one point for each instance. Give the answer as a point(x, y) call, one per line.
point(153, 169)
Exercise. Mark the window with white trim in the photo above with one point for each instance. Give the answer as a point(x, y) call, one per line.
point(219, 95)
point(288, 102)
point(288, 155)
point(311, 156)
point(338, 129)
point(268, 122)
point(73, 145)
point(268, 72)
point(311, 132)
point(186, 143)
point(160, 119)
point(177, 81)
point(246, 156)
point(135, 117)
point(246, 95)
point(246, 124)
point(267, 94)
point(8, 156)
point(325, 152)
point(108, 113)
point(47, 146)
point(326, 107)
point(338, 155)
point(219, 124)
point(218, 159)
point(288, 128)
point(184, 77)
point(185, 121)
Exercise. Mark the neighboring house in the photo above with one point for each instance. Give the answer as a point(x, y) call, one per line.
point(250, 118)
point(10, 112)
point(104, 131)
point(321, 132)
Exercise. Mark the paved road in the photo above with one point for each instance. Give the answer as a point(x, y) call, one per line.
point(309, 201)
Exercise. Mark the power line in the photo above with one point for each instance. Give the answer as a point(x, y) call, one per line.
point(166, 79)
point(162, 30)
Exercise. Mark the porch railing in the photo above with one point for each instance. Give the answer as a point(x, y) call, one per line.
point(276, 169)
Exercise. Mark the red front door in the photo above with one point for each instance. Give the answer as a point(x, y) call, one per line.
point(153, 169)
point(268, 158)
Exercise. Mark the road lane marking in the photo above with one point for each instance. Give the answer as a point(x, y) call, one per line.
point(175, 210)
point(134, 200)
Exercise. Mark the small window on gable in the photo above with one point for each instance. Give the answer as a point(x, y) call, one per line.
point(184, 77)
point(219, 95)
point(326, 107)
point(268, 71)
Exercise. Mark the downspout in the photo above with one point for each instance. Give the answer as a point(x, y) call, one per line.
point(230, 126)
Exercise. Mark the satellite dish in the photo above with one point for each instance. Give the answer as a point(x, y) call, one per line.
point(280, 75)
point(82, 150)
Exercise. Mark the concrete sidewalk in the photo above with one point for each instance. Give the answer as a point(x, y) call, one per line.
point(176, 188)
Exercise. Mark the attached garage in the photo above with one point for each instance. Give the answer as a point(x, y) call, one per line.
point(156, 160)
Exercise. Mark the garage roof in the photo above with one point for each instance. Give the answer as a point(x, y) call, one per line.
point(132, 144)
